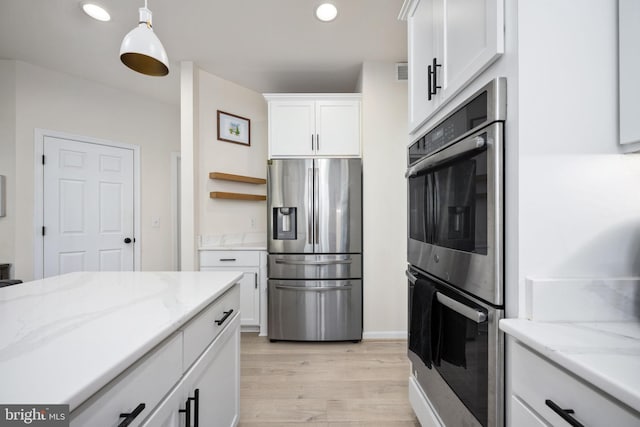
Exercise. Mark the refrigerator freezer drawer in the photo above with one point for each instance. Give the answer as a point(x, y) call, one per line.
point(315, 310)
point(309, 267)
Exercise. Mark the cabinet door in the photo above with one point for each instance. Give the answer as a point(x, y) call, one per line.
point(250, 299)
point(167, 413)
point(217, 377)
point(522, 416)
point(422, 41)
point(629, 69)
point(338, 128)
point(291, 128)
point(473, 33)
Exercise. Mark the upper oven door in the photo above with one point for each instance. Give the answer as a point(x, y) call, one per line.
point(456, 214)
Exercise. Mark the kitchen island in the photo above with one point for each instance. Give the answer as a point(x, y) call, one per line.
point(111, 342)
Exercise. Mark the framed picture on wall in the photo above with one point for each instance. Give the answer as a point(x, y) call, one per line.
point(232, 128)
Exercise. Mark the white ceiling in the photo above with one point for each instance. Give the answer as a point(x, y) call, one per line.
point(264, 45)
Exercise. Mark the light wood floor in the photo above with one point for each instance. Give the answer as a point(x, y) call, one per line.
point(324, 384)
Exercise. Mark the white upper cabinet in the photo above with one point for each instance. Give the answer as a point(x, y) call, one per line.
point(291, 128)
point(421, 45)
point(629, 70)
point(450, 43)
point(314, 125)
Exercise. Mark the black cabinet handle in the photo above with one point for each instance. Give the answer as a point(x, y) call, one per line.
point(128, 418)
point(225, 317)
point(196, 404)
point(434, 74)
point(127, 240)
point(429, 72)
point(186, 411)
point(227, 259)
point(564, 413)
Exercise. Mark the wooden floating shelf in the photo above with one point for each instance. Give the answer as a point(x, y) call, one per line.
point(236, 196)
point(237, 178)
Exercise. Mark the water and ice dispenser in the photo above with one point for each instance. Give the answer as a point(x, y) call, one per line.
point(285, 223)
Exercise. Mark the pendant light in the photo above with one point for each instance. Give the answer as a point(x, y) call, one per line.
point(141, 49)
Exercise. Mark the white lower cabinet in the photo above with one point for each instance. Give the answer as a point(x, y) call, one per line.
point(203, 355)
point(253, 264)
point(541, 391)
point(209, 393)
point(141, 386)
point(523, 416)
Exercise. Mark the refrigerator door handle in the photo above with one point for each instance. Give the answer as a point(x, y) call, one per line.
point(314, 289)
point(309, 205)
point(327, 262)
point(316, 209)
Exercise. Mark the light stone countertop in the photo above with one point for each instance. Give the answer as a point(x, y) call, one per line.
point(604, 354)
point(65, 337)
point(590, 327)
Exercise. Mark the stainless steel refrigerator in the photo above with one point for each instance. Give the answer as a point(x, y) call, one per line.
point(315, 249)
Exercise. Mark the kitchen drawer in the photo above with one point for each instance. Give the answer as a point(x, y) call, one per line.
point(229, 258)
point(522, 416)
point(203, 329)
point(535, 379)
point(146, 381)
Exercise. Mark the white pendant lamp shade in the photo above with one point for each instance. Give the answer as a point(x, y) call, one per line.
point(142, 51)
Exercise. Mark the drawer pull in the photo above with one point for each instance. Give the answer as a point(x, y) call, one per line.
point(227, 259)
point(225, 317)
point(187, 411)
point(564, 413)
point(196, 404)
point(128, 418)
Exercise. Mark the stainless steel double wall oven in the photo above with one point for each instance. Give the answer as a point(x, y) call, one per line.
point(455, 247)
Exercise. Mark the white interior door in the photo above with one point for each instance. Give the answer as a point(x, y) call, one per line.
point(88, 207)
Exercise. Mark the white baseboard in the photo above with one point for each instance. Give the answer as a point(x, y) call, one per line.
point(384, 335)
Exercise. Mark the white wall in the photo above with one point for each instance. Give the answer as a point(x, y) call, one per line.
point(384, 129)
point(7, 157)
point(50, 100)
point(221, 216)
point(579, 198)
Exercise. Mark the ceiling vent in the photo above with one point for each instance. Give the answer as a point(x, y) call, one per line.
point(402, 71)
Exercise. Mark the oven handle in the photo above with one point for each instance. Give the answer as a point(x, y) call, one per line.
point(411, 277)
point(447, 154)
point(468, 312)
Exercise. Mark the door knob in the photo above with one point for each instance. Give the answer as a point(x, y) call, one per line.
point(127, 240)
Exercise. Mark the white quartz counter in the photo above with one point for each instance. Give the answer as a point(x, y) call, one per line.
point(605, 354)
point(590, 327)
point(63, 338)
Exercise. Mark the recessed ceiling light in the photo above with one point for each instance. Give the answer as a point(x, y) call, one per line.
point(326, 12)
point(96, 12)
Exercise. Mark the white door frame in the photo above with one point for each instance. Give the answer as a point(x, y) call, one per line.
point(175, 209)
point(38, 214)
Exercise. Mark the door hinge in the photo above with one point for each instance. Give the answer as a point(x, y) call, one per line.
point(43, 230)
point(43, 159)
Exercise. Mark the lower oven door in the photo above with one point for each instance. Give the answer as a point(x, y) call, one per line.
point(465, 380)
point(315, 310)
